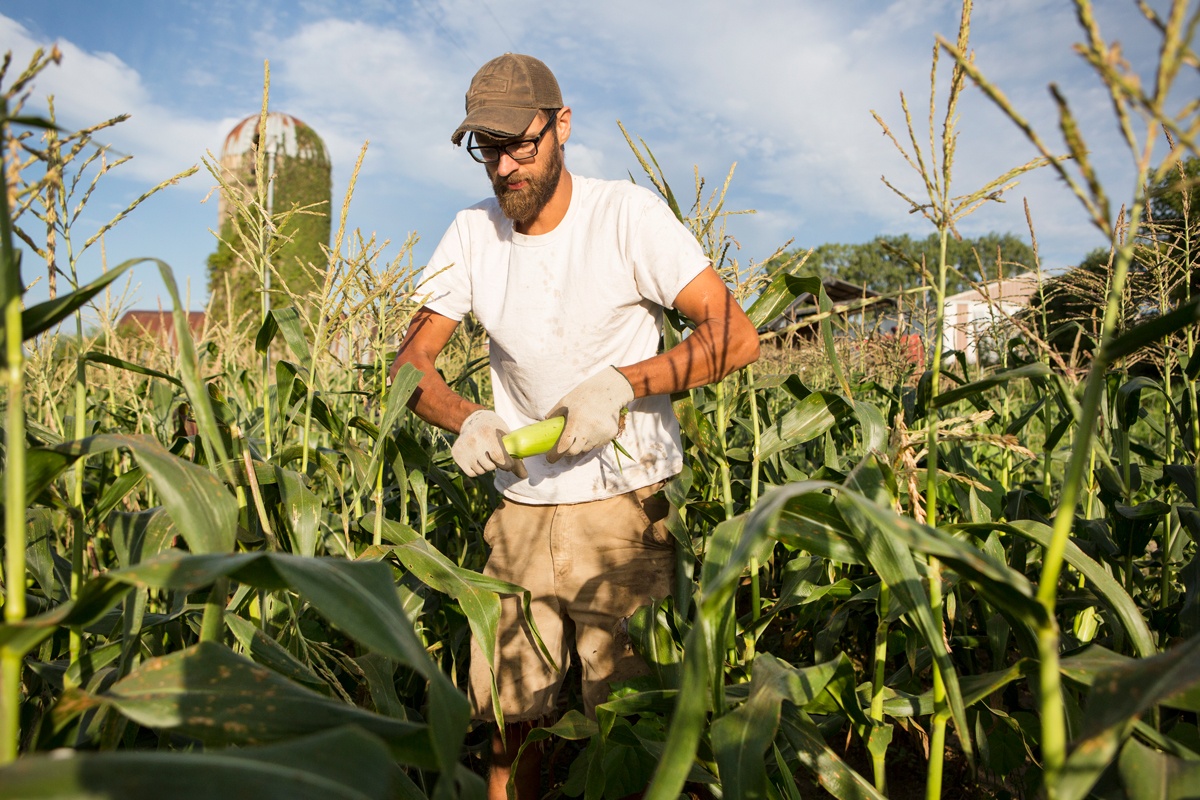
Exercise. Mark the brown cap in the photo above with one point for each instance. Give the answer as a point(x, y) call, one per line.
point(505, 96)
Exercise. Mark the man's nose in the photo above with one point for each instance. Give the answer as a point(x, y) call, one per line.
point(507, 165)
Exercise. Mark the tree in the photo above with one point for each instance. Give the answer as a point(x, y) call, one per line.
point(891, 263)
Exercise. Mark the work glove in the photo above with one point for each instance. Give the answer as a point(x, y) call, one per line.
point(593, 412)
point(479, 447)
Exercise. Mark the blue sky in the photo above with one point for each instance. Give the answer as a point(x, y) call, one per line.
point(783, 88)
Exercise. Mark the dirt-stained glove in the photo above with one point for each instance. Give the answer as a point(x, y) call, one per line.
point(479, 447)
point(593, 412)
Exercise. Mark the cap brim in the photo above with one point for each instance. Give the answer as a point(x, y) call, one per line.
point(503, 122)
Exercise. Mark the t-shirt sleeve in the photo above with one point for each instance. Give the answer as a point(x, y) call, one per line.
point(446, 284)
point(665, 254)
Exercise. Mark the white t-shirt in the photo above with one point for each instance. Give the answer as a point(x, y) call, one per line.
point(564, 305)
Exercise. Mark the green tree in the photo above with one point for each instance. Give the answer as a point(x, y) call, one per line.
point(892, 263)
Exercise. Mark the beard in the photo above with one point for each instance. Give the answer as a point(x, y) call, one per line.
point(523, 205)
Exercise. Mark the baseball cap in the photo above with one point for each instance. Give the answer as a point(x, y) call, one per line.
point(506, 94)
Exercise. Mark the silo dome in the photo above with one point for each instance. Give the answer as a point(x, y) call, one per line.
point(287, 138)
point(299, 186)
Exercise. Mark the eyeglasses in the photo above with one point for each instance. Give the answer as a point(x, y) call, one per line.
point(520, 150)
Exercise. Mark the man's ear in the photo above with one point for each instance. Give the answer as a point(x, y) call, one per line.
point(563, 124)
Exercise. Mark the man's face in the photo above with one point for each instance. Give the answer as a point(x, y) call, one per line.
point(525, 187)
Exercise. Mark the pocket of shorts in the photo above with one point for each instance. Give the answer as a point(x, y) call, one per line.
point(654, 508)
point(489, 527)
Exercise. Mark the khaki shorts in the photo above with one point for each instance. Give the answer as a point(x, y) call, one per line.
point(588, 567)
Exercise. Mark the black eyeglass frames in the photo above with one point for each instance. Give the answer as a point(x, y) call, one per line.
point(520, 150)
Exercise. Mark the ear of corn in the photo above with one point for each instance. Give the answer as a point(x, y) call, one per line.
point(535, 439)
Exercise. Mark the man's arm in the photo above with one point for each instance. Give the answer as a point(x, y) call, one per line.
point(724, 341)
point(433, 401)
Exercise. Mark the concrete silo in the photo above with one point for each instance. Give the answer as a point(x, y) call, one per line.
point(299, 176)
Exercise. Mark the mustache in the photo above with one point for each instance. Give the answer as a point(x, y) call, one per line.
point(500, 184)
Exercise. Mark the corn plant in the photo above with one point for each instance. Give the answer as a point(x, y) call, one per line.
point(239, 565)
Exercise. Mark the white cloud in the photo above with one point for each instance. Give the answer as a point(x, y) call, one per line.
point(355, 82)
point(91, 87)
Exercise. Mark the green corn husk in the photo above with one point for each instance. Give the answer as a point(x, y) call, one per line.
point(535, 439)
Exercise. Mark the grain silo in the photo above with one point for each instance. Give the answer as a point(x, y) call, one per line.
point(299, 176)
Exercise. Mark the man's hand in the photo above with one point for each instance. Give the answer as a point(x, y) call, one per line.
point(480, 447)
point(593, 412)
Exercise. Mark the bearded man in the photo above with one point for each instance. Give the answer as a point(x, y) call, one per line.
point(569, 276)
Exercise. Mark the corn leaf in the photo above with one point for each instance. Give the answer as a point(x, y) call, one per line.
point(815, 755)
point(287, 320)
point(803, 422)
point(44, 316)
point(780, 293)
point(203, 509)
point(1148, 774)
point(129, 366)
point(344, 764)
point(1108, 589)
point(1118, 697)
point(741, 738)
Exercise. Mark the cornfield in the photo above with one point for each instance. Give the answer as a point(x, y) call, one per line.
point(236, 565)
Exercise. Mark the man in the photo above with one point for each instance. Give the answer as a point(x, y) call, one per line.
point(569, 277)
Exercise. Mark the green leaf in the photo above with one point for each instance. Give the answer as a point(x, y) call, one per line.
point(266, 333)
point(780, 293)
point(1146, 333)
point(120, 363)
point(815, 755)
point(140, 535)
point(361, 600)
point(115, 492)
point(344, 764)
point(189, 368)
point(204, 511)
point(687, 722)
point(477, 595)
point(1118, 697)
point(892, 559)
point(288, 322)
point(741, 738)
point(811, 522)
point(1150, 775)
point(874, 427)
point(211, 694)
point(650, 629)
point(403, 385)
point(1108, 589)
point(263, 649)
point(44, 316)
point(1129, 399)
point(301, 510)
point(803, 422)
point(977, 388)
point(357, 597)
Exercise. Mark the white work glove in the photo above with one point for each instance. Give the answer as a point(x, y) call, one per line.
point(479, 447)
point(593, 412)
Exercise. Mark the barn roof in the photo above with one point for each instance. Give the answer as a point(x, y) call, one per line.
point(159, 322)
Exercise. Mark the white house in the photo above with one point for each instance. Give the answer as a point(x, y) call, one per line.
point(977, 314)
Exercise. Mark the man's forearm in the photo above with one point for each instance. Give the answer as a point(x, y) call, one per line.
point(711, 352)
point(434, 401)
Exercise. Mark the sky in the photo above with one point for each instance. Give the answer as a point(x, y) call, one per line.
point(783, 89)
